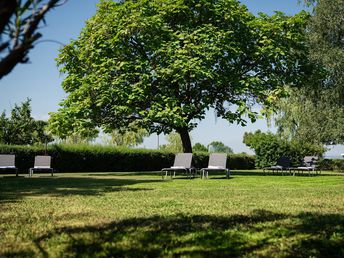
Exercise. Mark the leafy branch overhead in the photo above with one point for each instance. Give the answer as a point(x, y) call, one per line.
point(162, 64)
point(19, 22)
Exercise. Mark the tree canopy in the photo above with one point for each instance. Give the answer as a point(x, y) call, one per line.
point(19, 22)
point(315, 113)
point(162, 64)
point(20, 128)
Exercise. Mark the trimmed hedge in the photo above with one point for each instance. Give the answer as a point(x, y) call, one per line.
point(97, 158)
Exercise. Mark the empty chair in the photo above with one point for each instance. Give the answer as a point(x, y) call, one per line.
point(308, 165)
point(42, 163)
point(182, 162)
point(7, 162)
point(217, 162)
point(282, 164)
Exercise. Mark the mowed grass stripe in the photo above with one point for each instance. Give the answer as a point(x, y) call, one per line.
point(128, 214)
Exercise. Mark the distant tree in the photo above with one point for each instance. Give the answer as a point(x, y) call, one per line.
point(127, 138)
point(165, 63)
point(268, 147)
point(217, 146)
point(326, 38)
point(19, 22)
point(315, 113)
point(21, 129)
point(199, 147)
point(308, 118)
point(174, 143)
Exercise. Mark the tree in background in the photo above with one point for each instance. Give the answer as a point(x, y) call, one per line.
point(19, 22)
point(315, 113)
point(21, 129)
point(127, 138)
point(199, 147)
point(174, 143)
point(217, 146)
point(269, 147)
point(164, 63)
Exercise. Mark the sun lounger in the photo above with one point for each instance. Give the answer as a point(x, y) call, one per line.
point(309, 165)
point(217, 162)
point(182, 162)
point(42, 163)
point(282, 165)
point(7, 162)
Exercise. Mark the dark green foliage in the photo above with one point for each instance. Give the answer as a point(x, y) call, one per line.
point(20, 128)
point(199, 147)
point(88, 158)
point(332, 164)
point(269, 147)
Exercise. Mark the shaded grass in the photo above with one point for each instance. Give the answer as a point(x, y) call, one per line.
point(139, 215)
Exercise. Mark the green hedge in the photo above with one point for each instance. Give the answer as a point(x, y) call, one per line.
point(332, 164)
point(97, 158)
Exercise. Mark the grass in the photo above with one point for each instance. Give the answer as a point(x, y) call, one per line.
point(139, 215)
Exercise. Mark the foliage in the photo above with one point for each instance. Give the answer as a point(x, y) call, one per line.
point(312, 119)
point(217, 146)
point(134, 215)
point(326, 33)
point(127, 138)
point(20, 128)
point(315, 113)
point(269, 148)
point(164, 63)
point(19, 22)
point(174, 143)
point(199, 147)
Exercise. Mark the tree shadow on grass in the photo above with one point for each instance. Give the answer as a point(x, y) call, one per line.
point(261, 233)
point(12, 189)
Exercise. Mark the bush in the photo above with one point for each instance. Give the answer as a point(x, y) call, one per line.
point(96, 158)
point(332, 164)
point(269, 147)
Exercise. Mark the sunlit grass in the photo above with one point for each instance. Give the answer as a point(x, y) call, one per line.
point(134, 214)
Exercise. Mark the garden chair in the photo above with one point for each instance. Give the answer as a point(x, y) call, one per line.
point(42, 163)
point(7, 162)
point(182, 162)
point(308, 165)
point(217, 162)
point(282, 164)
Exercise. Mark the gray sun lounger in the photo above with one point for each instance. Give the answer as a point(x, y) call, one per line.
point(7, 162)
point(217, 162)
point(42, 163)
point(182, 162)
point(309, 165)
point(282, 164)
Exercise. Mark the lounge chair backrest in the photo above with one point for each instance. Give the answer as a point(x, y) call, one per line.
point(183, 160)
point(42, 161)
point(310, 160)
point(7, 160)
point(284, 162)
point(217, 160)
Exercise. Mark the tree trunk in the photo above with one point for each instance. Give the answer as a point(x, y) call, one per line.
point(185, 137)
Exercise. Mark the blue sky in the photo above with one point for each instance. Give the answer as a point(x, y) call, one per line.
point(40, 80)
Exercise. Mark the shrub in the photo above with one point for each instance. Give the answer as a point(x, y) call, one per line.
point(269, 147)
point(97, 158)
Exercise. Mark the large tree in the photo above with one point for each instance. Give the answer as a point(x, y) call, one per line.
point(316, 112)
point(19, 22)
point(164, 63)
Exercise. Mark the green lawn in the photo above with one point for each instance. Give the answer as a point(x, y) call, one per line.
point(139, 215)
